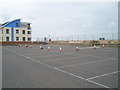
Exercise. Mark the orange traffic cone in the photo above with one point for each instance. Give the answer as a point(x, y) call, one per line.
point(77, 48)
point(30, 46)
point(60, 50)
point(41, 47)
point(26, 45)
point(103, 46)
point(94, 47)
point(49, 48)
point(19, 45)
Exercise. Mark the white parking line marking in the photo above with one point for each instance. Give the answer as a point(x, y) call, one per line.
point(108, 50)
point(85, 54)
point(65, 58)
point(103, 75)
point(73, 65)
point(53, 55)
point(64, 71)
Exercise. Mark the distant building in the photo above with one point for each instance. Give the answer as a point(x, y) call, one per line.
point(15, 31)
point(45, 38)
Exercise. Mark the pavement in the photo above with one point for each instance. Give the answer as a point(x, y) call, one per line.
point(24, 67)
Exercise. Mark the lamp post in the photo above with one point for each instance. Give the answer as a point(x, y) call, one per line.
point(112, 36)
point(93, 37)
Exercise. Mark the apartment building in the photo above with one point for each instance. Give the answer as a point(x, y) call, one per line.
point(15, 31)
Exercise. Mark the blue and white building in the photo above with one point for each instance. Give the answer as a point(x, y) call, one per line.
point(15, 31)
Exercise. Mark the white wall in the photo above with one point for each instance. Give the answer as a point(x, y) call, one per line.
point(6, 35)
point(0, 34)
point(20, 35)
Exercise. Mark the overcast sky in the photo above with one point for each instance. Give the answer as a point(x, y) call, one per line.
point(63, 18)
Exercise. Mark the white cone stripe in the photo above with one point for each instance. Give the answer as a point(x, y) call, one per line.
point(60, 48)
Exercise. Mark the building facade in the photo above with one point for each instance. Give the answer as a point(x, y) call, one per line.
point(15, 31)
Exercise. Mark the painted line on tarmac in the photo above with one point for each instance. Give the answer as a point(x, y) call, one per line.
point(64, 58)
point(76, 57)
point(73, 65)
point(82, 55)
point(100, 56)
point(103, 75)
point(108, 50)
point(92, 55)
point(86, 54)
point(53, 55)
point(71, 74)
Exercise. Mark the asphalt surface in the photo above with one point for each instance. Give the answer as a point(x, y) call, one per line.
point(34, 68)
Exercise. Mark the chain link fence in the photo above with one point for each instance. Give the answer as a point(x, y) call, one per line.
point(102, 36)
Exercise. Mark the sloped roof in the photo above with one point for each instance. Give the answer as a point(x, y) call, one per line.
point(21, 23)
point(8, 22)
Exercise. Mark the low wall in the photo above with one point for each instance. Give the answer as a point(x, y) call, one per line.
point(17, 43)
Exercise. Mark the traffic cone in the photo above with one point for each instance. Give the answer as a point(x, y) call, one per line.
point(19, 45)
point(30, 46)
point(49, 48)
point(41, 47)
point(77, 48)
point(60, 50)
point(26, 45)
point(94, 47)
point(103, 46)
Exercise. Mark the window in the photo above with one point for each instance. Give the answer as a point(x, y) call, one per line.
point(29, 39)
point(28, 26)
point(17, 38)
point(23, 38)
point(7, 38)
point(23, 31)
point(28, 32)
point(17, 31)
point(16, 24)
point(7, 31)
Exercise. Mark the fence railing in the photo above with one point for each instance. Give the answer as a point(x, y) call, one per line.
point(101, 36)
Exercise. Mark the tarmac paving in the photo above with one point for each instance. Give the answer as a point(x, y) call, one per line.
point(24, 67)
